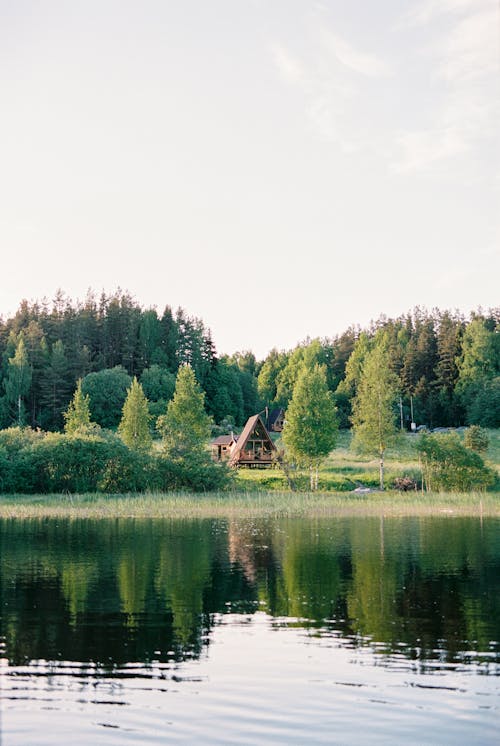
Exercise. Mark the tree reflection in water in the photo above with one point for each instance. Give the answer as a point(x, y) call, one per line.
point(112, 592)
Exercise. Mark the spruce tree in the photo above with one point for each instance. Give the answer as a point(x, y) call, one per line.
point(373, 416)
point(185, 427)
point(310, 429)
point(134, 425)
point(77, 416)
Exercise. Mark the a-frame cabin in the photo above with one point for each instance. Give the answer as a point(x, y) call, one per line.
point(254, 446)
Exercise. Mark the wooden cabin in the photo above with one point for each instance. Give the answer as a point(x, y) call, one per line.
point(276, 420)
point(254, 446)
point(221, 447)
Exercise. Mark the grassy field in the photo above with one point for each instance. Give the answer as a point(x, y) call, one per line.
point(259, 492)
point(343, 470)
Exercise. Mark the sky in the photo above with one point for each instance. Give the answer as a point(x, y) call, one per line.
point(281, 169)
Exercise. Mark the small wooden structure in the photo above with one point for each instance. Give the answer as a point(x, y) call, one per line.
point(254, 446)
point(221, 447)
point(275, 420)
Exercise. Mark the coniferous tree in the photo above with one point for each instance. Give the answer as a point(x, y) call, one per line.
point(55, 387)
point(77, 416)
point(134, 425)
point(185, 427)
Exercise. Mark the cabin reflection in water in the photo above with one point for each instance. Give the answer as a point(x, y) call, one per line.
point(253, 447)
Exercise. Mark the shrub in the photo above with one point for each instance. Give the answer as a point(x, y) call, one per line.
point(447, 465)
point(17, 473)
point(198, 473)
point(476, 438)
point(96, 460)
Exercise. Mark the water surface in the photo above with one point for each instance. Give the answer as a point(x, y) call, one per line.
point(353, 630)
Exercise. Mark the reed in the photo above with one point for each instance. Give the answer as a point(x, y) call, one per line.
point(249, 504)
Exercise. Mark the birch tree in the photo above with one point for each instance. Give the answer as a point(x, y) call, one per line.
point(310, 430)
point(373, 416)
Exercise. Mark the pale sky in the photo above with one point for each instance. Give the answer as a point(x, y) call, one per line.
point(279, 168)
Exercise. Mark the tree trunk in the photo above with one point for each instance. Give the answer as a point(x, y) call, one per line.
point(280, 460)
point(382, 470)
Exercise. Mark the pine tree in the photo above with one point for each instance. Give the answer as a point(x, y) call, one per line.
point(373, 408)
point(77, 416)
point(310, 430)
point(134, 425)
point(185, 427)
point(55, 387)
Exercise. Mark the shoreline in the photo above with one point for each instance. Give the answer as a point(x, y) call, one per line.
point(250, 504)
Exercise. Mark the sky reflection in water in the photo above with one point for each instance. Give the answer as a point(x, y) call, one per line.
point(286, 631)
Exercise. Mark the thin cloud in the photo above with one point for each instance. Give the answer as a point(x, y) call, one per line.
point(330, 76)
point(288, 65)
point(470, 50)
point(355, 59)
point(464, 61)
point(421, 150)
point(427, 11)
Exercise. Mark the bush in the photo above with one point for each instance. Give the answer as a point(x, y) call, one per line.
point(476, 438)
point(198, 473)
point(80, 463)
point(447, 465)
point(17, 473)
point(96, 460)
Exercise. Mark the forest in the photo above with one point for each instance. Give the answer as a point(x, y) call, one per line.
point(447, 365)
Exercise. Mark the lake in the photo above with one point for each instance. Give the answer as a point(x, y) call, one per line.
point(289, 631)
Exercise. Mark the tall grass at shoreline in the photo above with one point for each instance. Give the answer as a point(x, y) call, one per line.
point(249, 504)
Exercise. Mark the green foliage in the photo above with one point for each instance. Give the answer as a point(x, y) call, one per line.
point(476, 438)
point(158, 384)
point(224, 392)
point(134, 424)
point(17, 383)
point(449, 366)
point(373, 408)
point(197, 473)
point(311, 422)
point(55, 387)
point(186, 427)
point(33, 462)
point(77, 416)
point(304, 356)
point(107, 390)
point(268, 375)
point(83, 463)
point(447, 465)
point(17, 472)
point(482, 403)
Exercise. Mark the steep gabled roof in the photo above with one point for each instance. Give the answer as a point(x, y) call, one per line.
point(250, 426)
point(274, 414)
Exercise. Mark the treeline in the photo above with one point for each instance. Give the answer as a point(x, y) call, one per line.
point(45, 348)
point(447, 365)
